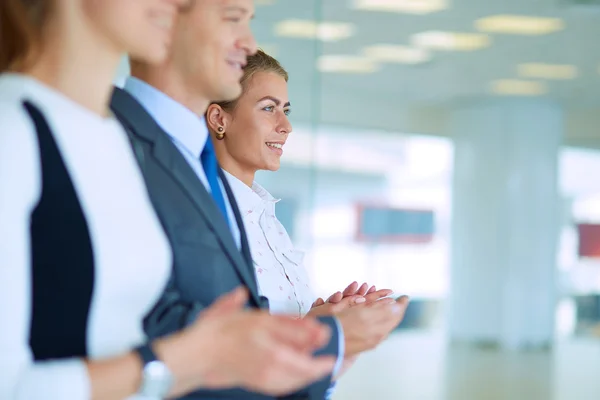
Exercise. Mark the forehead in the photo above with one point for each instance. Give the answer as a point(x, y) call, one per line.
point(267, 84)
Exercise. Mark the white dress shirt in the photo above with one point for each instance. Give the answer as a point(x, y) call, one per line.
point(131, 257)
point(186, 130)
point(279, 267)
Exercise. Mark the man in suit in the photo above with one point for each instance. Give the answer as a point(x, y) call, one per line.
point(162, 108)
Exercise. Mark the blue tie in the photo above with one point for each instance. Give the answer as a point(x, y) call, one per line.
point(209, 163)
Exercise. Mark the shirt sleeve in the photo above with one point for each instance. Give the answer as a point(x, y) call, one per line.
point(20, 377)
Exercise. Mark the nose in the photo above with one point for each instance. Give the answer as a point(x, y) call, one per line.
point(248, 43)
point(285, 127)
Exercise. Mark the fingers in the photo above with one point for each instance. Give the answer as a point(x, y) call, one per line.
point(351, 289)
point(362, 290)
point(374, 296)
point(372, 289)
point(288, 371)
point(401, 306)
point(305, 334)
point(392, 312)
point(335, 298)
point(318, 302)
point(227, 303)
point(347, 302)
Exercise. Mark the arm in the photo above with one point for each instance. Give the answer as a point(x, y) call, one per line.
point(171, 313)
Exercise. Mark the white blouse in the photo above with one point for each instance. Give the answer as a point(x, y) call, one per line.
point(279, 267)
point(131, 254)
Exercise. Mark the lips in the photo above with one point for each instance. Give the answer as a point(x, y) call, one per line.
point(275, 145)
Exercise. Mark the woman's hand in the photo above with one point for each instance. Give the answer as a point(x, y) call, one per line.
point(370, 294)
point(322, 308)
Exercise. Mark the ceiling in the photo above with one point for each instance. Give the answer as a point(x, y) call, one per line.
point(419, 98)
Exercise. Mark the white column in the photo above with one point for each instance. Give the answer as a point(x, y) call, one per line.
point(505, 222)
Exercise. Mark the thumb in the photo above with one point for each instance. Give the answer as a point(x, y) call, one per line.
point(227, 303)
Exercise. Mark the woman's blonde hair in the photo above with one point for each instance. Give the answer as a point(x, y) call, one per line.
point(259, 62)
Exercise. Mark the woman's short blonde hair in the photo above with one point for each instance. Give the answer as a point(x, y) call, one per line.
point(259, 62)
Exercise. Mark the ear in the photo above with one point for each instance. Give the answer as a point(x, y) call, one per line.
point(216, 117)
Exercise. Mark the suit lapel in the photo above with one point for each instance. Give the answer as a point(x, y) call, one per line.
point(238, 218)
point(169, 157)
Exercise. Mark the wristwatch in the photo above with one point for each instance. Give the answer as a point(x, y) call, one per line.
point(157, 379)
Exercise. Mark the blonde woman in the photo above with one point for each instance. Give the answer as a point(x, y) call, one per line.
point(248, 135)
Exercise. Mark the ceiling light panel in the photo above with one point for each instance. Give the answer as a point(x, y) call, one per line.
point(387, 53)
point(451, 41)
point(519, 25)
point(347, 64)
point(306, 29)
point(401, 6)
point(517, 87)
point(547, 71)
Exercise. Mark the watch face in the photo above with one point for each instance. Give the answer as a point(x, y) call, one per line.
point(157, 380)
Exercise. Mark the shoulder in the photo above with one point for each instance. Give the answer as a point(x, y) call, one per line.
point(19, 152)
point(18, 131)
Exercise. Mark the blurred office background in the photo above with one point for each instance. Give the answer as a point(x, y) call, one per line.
point(450, 150)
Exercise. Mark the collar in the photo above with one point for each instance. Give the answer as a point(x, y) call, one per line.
point(180, 123)
point(249, 198)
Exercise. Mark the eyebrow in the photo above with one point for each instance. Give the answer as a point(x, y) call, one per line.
point(274, 100)
point(239, 9)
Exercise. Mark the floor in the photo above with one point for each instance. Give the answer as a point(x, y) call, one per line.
point(419, 366)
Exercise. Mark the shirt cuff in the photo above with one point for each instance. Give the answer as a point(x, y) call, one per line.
point(330, 391)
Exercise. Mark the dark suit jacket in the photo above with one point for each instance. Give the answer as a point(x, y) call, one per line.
point(207, 262)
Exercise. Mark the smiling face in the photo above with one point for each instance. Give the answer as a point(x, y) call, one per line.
point(257, 128)
point(212, 41)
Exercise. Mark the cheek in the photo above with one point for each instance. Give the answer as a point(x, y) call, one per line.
point(249, 145)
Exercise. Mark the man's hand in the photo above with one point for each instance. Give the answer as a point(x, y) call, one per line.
point(230, 347)
point(367, 325)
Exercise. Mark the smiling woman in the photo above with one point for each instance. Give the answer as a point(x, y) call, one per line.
point(249, 135)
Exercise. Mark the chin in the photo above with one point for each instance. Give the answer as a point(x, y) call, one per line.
point(152, 55)
point(231, 91)
point(273, 167)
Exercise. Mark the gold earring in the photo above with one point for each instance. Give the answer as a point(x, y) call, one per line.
point(221, 133)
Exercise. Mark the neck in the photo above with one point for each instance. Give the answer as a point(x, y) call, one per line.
point(167, 79)
point(79, 63)
point(243, 174)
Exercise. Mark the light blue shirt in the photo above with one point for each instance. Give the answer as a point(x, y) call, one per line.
point(189, 133)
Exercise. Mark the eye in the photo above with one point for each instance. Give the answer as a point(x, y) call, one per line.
point(287, 111)
point(234, 19)
point(269, 108)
